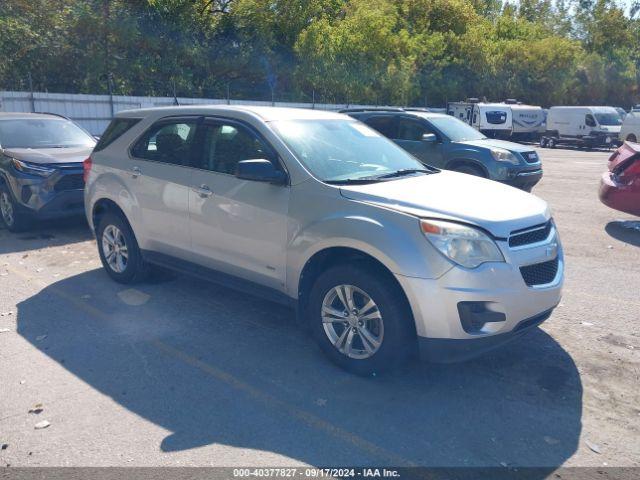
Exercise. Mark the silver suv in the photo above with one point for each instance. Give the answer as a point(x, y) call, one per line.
point(380, 255)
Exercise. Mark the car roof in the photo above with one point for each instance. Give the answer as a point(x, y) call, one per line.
point(27, 115)
point(267, 114)
point(415, 113)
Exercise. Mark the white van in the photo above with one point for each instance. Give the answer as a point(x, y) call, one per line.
point(630, 130)
point(582, 126)
point(492, 119)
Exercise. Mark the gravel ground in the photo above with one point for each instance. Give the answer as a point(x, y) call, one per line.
point(181, 372)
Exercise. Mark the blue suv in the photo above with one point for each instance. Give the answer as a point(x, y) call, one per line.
point(443, 141)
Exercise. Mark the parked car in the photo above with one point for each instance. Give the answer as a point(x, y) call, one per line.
point(377, 252)
point(445, 142)
point(582, 126)
point(41, 159)
point(620, 185)
point(630, 130)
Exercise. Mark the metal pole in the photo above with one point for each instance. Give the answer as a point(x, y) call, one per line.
point(110, 88)
point(32, 100)
point(313, 99)
point(228, 93)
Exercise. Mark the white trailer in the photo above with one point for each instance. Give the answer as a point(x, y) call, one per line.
point(492, 119)
point(582, 126)
point(528, 121)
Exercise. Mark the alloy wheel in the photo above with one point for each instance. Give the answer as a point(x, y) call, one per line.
point(6, 208)
point(114, 249)
point(352, 322)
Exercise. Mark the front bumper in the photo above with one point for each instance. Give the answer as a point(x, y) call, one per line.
point(524, 180)
point(499, 288)
point(59, 195)
point(619, 196)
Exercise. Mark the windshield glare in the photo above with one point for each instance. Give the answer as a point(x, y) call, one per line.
point(339, 150)
point(42, 133)
point(455, 129)
point(609, 119)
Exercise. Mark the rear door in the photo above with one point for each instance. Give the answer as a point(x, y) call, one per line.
point(237, 226)
point(160, 179)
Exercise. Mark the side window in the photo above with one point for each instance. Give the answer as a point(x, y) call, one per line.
point(383, 124)
point(227, 144)
point(167, 142)
point(117, 128)
point(589, 120)
point(411, 130)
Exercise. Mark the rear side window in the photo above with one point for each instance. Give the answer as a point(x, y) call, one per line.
point(386, 125)
point(115, 130)
point(168, 142)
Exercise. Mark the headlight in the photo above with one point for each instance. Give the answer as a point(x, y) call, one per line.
point(32, 168)
point(502, 155)
point(466, 246)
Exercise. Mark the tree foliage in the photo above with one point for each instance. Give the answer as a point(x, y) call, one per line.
point(413, 52)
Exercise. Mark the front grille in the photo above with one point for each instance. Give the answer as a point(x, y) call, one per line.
point(540, 273)
point(69, 182)
point(530, 235)
point(530, 157)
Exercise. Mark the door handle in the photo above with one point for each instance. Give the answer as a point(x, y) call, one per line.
point(136, 172)
point(203, 191)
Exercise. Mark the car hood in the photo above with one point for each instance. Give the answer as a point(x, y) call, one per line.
point(496, 207)
point(493, 143)
point(49, 155)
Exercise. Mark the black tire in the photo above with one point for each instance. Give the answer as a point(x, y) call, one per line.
point(543, 142)
point(470, 170)
point(631, 138)
point(136, 269)
point(16, 219)
point(551, 142)
point(398, 342)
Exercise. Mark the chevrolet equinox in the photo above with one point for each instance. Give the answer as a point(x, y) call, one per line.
point(381, 255)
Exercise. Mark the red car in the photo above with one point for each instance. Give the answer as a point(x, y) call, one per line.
point(620, 186)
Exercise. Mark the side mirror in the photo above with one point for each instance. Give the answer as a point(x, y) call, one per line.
point(260, 170)
point(429, 138)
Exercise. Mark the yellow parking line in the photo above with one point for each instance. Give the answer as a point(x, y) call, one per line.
point(267, 399)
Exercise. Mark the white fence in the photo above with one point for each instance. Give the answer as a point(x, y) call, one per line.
point(94, 112)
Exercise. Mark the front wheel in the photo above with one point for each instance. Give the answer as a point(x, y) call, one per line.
point(543, 142)
point(14, 218)
point(118, 249)
point(361, 320)
point(632, 138)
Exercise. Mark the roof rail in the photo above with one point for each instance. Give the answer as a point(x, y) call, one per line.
point(54, 114)
point(371, 109)
point(417, 109)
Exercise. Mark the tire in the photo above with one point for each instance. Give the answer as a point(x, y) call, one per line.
point(393, 331)
point(543, 142)
point(114, 230)
point(14, 217)
point(631, 138)
point(470, 170)
point(551, 142)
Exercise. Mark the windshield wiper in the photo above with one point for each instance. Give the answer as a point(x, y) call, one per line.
point(406, 171)
point(354, 181)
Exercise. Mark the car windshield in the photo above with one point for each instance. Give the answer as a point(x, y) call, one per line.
point(344, 150)
point(456, 130)
point(42, 133)
point(609, 119)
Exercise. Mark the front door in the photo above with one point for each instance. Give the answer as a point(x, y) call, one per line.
point(237, 226)
point(410, 136)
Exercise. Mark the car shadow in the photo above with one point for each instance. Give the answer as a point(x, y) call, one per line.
point(627, 231)
point(214, 366)
point(45, 234)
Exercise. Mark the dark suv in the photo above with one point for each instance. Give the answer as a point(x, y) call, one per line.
point(41, 170)
point(445, 142)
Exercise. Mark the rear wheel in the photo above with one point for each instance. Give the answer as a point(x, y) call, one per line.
point(118, 249)
point(361, 319)
point(631, 138)
point(551, 142)
point(543, 142)
point(13, 216)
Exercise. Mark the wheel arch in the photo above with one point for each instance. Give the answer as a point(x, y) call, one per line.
point(104, 206)
point(326, 258)
point(459, 161)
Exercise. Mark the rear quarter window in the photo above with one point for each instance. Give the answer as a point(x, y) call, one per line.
point(117, 128)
